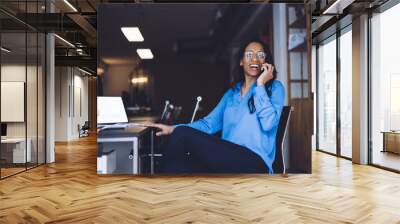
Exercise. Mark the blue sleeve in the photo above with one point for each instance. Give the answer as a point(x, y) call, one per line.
point(269, 109)
point(211, 123)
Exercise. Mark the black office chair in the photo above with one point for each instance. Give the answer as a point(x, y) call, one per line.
point(170, 116)
point(84, 129)
point(279, 163)
point(167, 116)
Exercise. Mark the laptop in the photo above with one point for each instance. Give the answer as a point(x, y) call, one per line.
point(111, 113)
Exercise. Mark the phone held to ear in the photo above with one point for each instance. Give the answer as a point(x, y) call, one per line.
point(262, 70)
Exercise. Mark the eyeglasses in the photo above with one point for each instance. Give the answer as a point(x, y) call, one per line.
point(249, 55)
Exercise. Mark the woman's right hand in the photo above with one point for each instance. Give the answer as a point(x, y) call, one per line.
point(164, 129)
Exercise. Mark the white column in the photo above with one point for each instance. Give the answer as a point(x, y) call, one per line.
point(281, 57)
point(360, 90)
point(50, 109)
point(280, 47)
point(50, 93)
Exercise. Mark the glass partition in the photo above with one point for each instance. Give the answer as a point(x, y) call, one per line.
point(31, 98)
point(13, 106)
point(22, 91)
point(385, 89)
point(346, 93)
point(326, 96)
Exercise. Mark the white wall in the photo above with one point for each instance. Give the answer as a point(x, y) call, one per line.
point(71, 102)
point(80, 102)
point(16, 73)
point(10, 73)
point(33, 126)
point(62, 81)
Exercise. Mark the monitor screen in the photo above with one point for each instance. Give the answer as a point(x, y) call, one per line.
point(3, 129)
point(110, 110)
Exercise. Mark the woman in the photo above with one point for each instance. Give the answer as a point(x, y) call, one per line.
point(248, 115)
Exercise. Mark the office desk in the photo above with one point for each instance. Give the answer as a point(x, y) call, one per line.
point(130, 145)
point(391, 141)
point(140, 119)
point(15, 148)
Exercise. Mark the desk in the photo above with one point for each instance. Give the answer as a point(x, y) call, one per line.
point(130, 145)
point(17, 150)
point(391, 141)
point(140, 119)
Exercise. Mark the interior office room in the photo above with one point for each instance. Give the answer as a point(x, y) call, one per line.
point(23, 99)
point(59, 57)
point(197, 60)
point(333, 67)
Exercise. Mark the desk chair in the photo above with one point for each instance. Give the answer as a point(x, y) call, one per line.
point(169, 116)
point(84, 129)
point(279, 165)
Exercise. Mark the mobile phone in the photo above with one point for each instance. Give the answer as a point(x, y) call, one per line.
point(262, 70)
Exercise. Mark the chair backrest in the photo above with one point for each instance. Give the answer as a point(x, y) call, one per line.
point(86, 125)
point(171, 115)
point(279, 162)
point(167, 114)
point(176, 113)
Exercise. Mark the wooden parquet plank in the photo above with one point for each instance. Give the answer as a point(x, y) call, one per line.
point(70, 191)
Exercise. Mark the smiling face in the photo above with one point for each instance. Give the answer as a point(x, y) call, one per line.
point(252, 59)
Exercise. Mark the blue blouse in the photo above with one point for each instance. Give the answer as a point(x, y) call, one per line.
point(255, 131)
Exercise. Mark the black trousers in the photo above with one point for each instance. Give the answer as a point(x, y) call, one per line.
point(191, 151)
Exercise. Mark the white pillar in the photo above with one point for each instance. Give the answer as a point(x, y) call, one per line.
point(281, 58)
point(360, 90)
point(50, 93)
point(280, 44)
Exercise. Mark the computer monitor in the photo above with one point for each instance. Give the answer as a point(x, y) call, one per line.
point(3, 129)
point(110, 110)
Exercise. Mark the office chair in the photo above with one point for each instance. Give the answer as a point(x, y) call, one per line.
point(84, 129)
point(176, 114)
point(169, 116)
point(164, 110)
point(196, 108)
point(279, 165)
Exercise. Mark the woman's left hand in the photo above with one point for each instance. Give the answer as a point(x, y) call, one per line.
point(266, 75)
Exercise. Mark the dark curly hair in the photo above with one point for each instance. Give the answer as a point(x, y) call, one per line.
point(238, 73)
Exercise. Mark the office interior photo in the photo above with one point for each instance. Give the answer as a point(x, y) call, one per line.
point(70, 72)
point(198, 58)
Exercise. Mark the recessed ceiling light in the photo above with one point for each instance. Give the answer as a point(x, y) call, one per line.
point(100, 71)
point(337, 7)
point(139, 80)
point(145, 53)
point(70, 5)
point(5, 50)
point(132, 34)
point(84, 71)
point(65, 41)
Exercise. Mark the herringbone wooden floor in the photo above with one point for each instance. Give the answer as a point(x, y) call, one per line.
point(70, 191)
